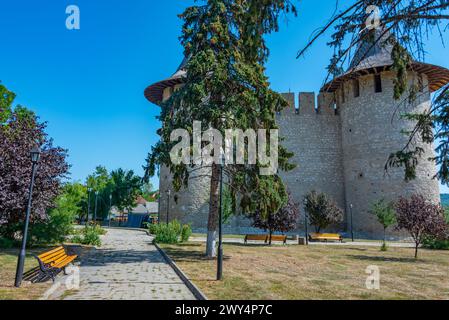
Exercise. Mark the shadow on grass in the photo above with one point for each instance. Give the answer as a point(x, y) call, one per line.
point(383, 259)
point(180, 255)
point(357, 249)
point(254, 245)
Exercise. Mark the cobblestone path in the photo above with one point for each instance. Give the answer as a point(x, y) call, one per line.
point(127, 267)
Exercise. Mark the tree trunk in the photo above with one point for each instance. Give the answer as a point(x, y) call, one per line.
point(214, 206)
point(416, 250)
point(271, 233)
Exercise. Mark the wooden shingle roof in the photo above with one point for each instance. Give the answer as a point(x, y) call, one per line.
point(373, 55)
point(154, 93)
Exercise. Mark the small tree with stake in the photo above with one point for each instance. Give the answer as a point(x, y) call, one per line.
point(386, 215)
point(322, 211)
point(420, 218)
point(283, 221)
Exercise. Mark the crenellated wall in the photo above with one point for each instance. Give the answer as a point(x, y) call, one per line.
point(312, 131)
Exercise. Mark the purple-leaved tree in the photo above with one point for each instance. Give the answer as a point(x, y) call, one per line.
point(20, 130)
point(284, 220)
point(420, 218)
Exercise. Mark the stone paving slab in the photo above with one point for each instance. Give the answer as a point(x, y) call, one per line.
point(127, 267)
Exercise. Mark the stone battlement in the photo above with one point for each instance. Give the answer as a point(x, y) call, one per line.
point(309, 105)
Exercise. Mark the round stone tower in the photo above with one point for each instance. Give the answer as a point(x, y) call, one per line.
point(372, 129)
point(189, 205)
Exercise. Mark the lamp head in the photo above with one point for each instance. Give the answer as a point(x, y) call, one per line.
point(35, 154)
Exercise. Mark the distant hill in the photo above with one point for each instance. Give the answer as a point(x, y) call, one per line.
point(445, 199)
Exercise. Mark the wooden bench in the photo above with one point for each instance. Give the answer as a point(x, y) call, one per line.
point(281, 238)
point(265, 238)
point(325, 237)
point(53, 261)
point(256, 237)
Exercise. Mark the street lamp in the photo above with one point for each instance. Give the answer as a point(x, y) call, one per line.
point(168, 202)
point(95, 211)
point(352, 226)
point(110, 209)
point(220, 228)
point(305, 222)
point(35, 155)
point(89, 190)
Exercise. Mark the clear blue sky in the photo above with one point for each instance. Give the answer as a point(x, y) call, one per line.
point(88, 83)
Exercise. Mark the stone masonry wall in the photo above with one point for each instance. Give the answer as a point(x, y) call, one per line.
point(313, 134)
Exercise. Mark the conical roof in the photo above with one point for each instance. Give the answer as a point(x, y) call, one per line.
point(154, 93)
point(373, 55)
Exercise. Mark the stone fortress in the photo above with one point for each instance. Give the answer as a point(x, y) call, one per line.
point(341, 141)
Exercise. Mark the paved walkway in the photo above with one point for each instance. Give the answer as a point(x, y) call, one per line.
point(127, 267)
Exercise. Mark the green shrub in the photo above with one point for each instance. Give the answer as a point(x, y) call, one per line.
point(89, 235)
point(51, 231)
point(384, 247)
point(6, 243)
point(152, 228)
point(170, 233)
point(186, 232)
point(97, 228)
point(176, 226)
point(436, 244)
point(166, 233)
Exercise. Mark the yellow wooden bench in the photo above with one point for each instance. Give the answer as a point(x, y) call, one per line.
point(325, 237)
point(53, 261)
point(281, 238)
point(256, 237)
point(265, 238)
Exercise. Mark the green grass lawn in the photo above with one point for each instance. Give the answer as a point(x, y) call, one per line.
point(8, 264)
point(314, 272)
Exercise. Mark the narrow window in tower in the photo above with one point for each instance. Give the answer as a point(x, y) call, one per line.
point(356, 87)
point(420, 83)
point(377, 83)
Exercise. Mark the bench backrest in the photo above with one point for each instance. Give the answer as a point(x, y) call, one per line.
point(262, 237)
point(278, 238)
point(325, 236)
point(52, 255)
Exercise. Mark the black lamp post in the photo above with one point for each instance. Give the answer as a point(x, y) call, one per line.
point(352, 225)
point(35, 156)
point(305, 224)
point(95, 211)
point(220, 227)
point(168, 203)
point(89, 190)
point(110, 209)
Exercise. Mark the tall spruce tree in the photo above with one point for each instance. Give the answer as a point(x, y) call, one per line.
point(226, 88)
